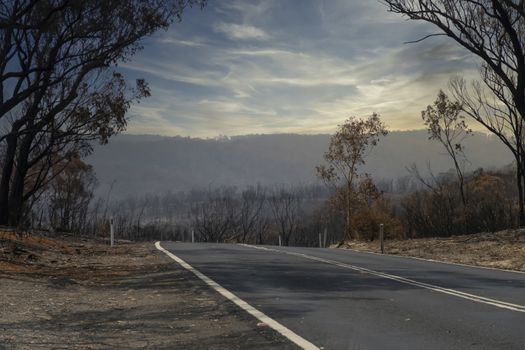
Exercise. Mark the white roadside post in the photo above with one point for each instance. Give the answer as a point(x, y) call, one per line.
point(111, 232)
point(382, 238)
point(192, 236)
point(320, 241)
point(280, 243)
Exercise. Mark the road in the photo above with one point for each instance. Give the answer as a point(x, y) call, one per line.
point(340, 299)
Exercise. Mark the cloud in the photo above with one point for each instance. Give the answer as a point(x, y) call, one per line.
point(242, 32)
point(175, 41)
point(325, 62)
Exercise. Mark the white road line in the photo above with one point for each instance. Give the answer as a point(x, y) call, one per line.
point(432, 260)
point(295, 338)
point(453, 292)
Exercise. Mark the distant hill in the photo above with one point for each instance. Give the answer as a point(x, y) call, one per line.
point(139, 164)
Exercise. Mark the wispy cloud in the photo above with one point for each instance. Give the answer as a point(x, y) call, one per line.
point(240, 31)
point(175, 41)
point(289, 69)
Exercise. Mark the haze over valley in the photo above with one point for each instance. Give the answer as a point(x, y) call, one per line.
point(144, 164)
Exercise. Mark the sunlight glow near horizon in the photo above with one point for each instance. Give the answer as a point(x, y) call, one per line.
point(265, 67)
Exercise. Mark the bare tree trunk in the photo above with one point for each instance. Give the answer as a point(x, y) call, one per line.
point(348, 213)
point(5, 181)
point(16, 202)
point(521, 205)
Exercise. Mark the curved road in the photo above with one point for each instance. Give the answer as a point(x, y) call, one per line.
point(341, 299)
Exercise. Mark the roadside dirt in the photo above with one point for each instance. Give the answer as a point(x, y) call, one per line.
point(504, 249)
point(70, 293)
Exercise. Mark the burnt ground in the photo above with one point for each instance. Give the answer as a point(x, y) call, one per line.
point(504, 249)
point(71, 293)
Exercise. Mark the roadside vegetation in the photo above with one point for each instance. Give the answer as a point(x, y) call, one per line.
point(68, 93)
point(409, 207)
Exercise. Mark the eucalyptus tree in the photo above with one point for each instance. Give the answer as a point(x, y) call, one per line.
point(345, 157)
point(59, 87)
point(492, 30)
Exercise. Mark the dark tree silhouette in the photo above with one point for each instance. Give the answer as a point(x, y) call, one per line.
point(493, 30)
point(59, 90)
point(446, 124)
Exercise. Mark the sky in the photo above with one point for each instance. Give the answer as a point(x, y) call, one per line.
point(289, 66)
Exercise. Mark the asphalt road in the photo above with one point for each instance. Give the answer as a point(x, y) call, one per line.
point(339, 299)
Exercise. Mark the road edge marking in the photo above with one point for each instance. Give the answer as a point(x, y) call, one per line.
point(431, 260)
point(432, 287)
point(278, 327)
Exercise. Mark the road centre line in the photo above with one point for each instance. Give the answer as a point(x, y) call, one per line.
point(400, 256)
point(287, 333)
point(435, 288)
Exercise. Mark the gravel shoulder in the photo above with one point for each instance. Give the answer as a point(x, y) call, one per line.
point(504, 249)
point(78, 294)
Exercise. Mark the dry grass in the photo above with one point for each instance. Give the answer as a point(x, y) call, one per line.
point(504, 249)
point(34, 254)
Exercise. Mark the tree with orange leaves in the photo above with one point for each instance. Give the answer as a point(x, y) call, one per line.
point(345, 156)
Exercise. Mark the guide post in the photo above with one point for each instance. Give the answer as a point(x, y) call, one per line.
point(382, 238)
point(111, 232)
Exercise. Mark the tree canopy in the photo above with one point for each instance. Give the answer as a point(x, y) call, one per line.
point(60, 89)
